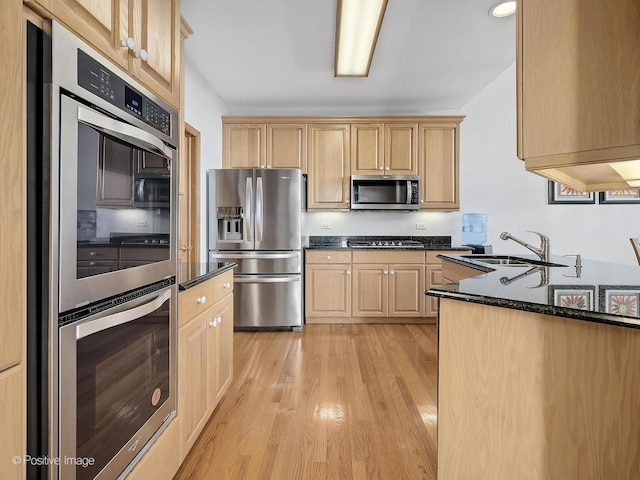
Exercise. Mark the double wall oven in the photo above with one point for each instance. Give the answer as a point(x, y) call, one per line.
point(102, 227)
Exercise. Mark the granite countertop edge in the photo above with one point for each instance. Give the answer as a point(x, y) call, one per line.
point(447, 291)
point(205, 276)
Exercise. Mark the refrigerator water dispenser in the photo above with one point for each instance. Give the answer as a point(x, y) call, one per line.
point(230, 223)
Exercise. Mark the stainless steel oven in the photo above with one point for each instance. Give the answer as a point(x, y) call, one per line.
point(116, 159)
point(115, 382)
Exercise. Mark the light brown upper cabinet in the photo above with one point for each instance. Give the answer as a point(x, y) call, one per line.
point(287, 146)
point(367, 148)
point(244, 145)
point(329, 166)
point(438, 167)
point(384, 149)
point(154, 26)
point(577, 84)
point(264, 145)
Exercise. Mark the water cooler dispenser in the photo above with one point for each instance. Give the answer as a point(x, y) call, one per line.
point(474, 232)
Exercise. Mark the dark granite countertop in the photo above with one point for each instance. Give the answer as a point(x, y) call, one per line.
point(191, 274)
point(340, 242)
point(596, 291)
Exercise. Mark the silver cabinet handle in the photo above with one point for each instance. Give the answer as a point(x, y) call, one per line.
point(120, 318)
point(124, 131)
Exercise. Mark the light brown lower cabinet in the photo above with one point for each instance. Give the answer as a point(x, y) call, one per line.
point(328, 284)
point(205, 355)
point(12, 415)
point(434, 277)
point(364, 286)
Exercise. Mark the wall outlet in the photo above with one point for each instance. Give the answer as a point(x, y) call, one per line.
point(325, 226)
point(141, 223)
point(421, 226)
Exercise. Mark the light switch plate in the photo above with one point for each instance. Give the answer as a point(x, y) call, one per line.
point(325, 226)
point(421, 226)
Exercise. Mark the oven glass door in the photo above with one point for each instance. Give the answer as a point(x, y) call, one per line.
point(115, 376)
point(103, 230)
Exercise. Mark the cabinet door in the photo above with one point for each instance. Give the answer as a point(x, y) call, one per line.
point(439, 176)
point(400, 144)
point(115, 174)
point(193, 378)
point(578, 82)
point(406, 290)
point(221, 350)
point(102, 23)
point(12, 406)
point(156, 29)
point(162, 460)
point(434, 277)
point(244, 146)
point(287, 146)
point(367, 149)
point(370, 290)
point(329, 166)
point(328, 290)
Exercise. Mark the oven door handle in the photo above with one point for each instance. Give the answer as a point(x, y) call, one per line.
point(124, 131)
point(120, 318)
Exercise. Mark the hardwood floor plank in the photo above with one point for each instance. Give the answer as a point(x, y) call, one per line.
point(350, 402)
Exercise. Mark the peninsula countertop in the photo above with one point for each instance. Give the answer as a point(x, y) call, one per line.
point(588, 290)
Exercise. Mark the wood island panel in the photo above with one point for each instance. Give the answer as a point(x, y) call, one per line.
point(531, 396)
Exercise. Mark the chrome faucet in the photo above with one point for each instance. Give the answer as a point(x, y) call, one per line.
point(542, 251)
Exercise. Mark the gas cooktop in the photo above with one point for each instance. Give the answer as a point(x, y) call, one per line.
point(385, 244)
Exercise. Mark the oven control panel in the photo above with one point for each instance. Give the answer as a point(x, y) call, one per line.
point(101, 81)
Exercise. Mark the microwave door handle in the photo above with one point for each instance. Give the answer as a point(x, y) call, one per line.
point(120, 318)
point(259, 209)
point(408, 192)
point(123, 131)
point(247, 201)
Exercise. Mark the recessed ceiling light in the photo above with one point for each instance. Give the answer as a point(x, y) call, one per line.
point(503, 9)
point(357, 26)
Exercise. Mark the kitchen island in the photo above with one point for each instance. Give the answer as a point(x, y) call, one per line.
point(538, 371)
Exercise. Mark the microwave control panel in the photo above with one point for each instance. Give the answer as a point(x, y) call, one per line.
point(101, 81)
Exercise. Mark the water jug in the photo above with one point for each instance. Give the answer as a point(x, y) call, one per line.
point(474, 228)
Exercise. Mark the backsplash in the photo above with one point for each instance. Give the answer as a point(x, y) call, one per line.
point(132, 221)
point(382, 223)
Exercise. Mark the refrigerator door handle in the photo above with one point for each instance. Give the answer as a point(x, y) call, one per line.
point(262, 256)
point(266, 279)
point(259, 210)
point(248, 213)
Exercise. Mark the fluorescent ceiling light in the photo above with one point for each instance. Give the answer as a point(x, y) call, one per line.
point(629, 170)
point(503, 9)
point(357, 26)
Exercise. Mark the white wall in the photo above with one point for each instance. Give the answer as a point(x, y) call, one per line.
point(203, 109)
point(492, 180)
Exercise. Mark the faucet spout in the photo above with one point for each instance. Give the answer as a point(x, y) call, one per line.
point(542, 251)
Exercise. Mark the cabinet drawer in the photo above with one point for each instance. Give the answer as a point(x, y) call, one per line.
point(433, 254)
point(98, 253)
point(328, 256)
point(194, 301)
point(385, 256)
point(222, 285)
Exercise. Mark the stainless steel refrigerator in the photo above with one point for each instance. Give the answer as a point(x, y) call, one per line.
point(254, 221)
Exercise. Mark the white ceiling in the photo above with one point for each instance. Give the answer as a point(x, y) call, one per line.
point(430, 55)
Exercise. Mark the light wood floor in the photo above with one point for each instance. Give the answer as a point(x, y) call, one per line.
point(331, 402)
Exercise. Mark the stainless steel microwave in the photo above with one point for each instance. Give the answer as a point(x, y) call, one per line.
point(385, 192)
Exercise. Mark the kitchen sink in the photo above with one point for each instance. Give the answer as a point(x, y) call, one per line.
point(509, 260)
